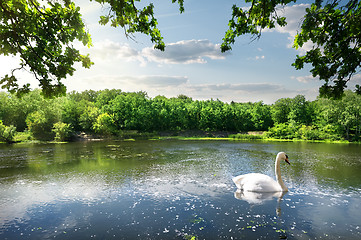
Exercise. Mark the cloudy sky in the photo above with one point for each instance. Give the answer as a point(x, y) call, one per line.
point(192, 63)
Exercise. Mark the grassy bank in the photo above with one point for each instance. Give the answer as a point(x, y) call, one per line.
point(263, 137)
point(25, 137)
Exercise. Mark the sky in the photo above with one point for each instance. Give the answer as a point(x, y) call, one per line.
point(192, 63)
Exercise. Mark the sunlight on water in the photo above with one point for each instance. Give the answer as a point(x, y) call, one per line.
point(177, 190)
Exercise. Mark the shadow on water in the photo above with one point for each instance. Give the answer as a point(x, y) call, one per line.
point(176, 190)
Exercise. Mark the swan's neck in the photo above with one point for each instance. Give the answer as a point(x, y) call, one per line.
point(278, 174)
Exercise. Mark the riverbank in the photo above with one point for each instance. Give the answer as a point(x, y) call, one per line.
point(194, 135)
point(133, 135)
point(248, 137)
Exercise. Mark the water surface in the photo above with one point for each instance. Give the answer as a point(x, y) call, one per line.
point(177, 190)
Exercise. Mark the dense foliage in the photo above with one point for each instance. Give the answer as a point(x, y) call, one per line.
point(111, 112)
point(42, 37)
point(7, 133)
point(332, 26)
point(42, 34)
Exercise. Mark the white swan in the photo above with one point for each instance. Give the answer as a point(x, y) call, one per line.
point(257, 182)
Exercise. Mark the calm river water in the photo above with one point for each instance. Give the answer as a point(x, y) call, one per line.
point(177, 190)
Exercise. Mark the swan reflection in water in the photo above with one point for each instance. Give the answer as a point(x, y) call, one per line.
point(257, 198)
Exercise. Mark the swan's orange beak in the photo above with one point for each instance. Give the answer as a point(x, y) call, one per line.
point(286, 160)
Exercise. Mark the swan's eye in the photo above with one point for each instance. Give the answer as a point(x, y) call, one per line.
point(286, 156)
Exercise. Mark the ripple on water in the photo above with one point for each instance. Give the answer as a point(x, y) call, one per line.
point(175, 190)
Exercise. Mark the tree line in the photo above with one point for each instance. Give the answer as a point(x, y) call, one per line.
point(111, 112)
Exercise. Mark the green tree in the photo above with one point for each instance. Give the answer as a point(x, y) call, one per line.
point(280, 110)
point(340, 117)
point(284, 131)
point(78, 112)
point(131, 111)
point(211, 115)
point(176, 113)
point(105, 125)
point(42, 35)
point(261, 116)
point(332, 26)
point(243, 117)
point(193, 115)
point(350, 117)
point(40, 124)
point(87, 95)
point(63, 131)
point(5, 107)
point(7, 133)
point(14, 110)
point(89, 117)
point(160, 108)
point(300, 110)
point(105, 96)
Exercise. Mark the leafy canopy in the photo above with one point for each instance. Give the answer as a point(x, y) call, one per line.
point(334, 28)
point(42, 36)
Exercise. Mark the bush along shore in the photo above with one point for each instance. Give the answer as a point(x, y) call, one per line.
point(113, 114)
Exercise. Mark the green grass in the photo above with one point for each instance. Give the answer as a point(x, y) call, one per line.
point(26, 137)
point(241, 136)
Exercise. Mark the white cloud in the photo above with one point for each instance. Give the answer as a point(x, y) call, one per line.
point(245, 92)
point(108, 50)
point(182, 52)
point(356, 79)
point(305, 79)
point(185, 52)
point(158, 80)
point(256, 58)
point(294, 17)
point(244, 87)
point(128, 83)
point(89, 8)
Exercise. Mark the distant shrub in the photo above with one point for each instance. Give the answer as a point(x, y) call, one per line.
point(283, 131)
point(63, 131)
point(22, 136)
point(7, 133)
point(293, 131)
point(40, 124)
point(105, 124)
point(309, 133)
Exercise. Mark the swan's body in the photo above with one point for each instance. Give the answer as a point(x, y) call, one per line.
point(257, 182)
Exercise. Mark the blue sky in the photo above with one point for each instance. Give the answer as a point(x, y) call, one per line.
point(192, 63)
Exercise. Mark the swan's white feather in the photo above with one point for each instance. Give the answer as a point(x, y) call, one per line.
point(256, 182)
